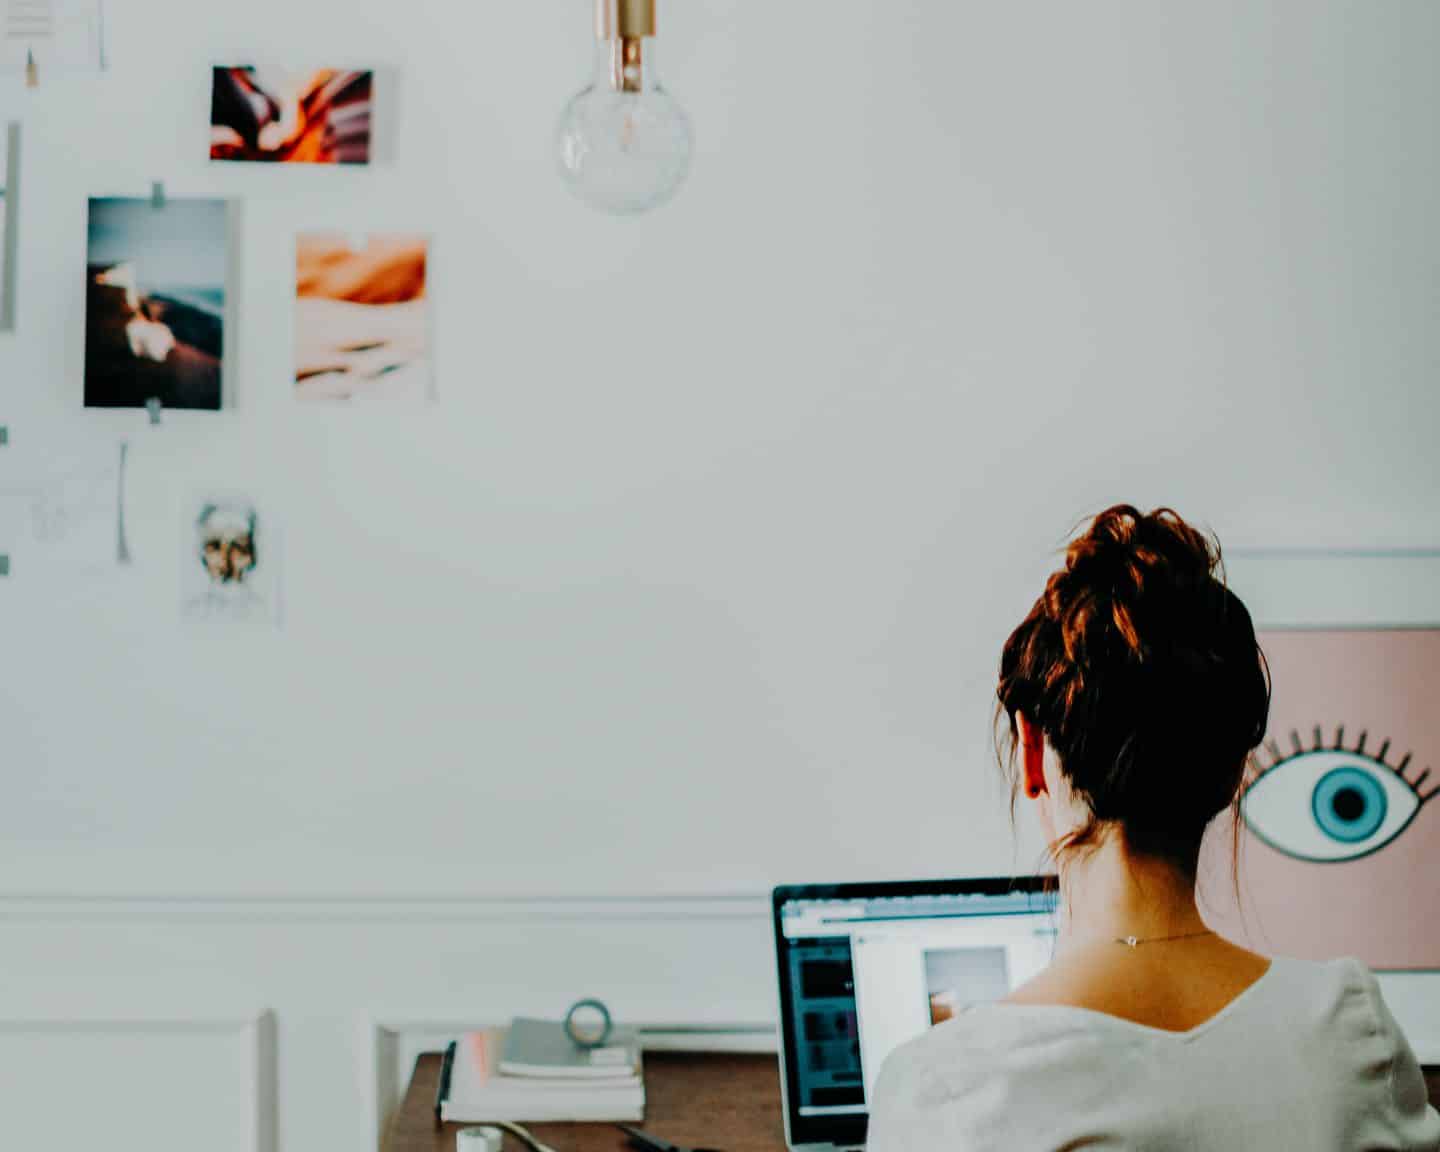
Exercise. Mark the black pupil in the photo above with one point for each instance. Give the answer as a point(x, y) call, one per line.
point(1348, 804)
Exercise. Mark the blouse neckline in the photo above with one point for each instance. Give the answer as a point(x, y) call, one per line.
point(1235, 1003)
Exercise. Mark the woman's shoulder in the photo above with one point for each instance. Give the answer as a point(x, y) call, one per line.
point(976, 1073)
point(1381, 1075)
point(986, 1043)
point(953, 1060)
point(1332, 995)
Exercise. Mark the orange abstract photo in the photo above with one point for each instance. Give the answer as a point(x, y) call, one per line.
point(318, 117)
point(362, 318)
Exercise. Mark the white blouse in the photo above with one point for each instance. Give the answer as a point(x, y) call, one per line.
point(1308, 1058)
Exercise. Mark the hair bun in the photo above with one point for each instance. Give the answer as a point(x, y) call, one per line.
point(1122, 579)
point(1142, 669)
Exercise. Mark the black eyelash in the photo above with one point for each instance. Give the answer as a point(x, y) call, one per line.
point(1278, 756)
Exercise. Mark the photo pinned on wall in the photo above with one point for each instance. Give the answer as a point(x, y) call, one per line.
point(155, 302)
point(44, 39)
point(230, 562)
point(9, 221)
point(362, 318)
point(274, 116)
point(62, 503)
point(1339, 849)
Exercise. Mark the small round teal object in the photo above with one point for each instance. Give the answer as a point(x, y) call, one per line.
point(588, 1023)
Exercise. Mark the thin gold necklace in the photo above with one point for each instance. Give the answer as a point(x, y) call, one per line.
point(1136, 941)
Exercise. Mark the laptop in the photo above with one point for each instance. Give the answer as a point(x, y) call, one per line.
point(865, 967)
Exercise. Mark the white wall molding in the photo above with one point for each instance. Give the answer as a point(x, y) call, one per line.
point(357, 987)
point(70, 908)
point(255, 1031)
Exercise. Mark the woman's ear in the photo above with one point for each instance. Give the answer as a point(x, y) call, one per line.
point(1032, 756)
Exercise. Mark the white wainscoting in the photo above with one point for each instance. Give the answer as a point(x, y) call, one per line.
point(73, 1084)
point(353, 989)
point(358, 986)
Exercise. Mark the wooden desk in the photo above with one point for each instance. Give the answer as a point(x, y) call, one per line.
point(726, 1102)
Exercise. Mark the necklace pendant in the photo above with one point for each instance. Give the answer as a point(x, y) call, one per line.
point(1131, 941)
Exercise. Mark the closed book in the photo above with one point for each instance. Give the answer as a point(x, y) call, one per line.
point(544, 1048)
point(480, 1092)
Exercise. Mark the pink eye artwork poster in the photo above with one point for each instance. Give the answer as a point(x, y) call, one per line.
point(1339, 837)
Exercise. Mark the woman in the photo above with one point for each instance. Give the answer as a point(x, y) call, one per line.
point(1135, 692)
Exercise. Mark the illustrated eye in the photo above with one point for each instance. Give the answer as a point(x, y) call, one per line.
point(1329, 803)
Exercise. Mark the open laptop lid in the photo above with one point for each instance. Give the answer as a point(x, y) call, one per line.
point(864, 967)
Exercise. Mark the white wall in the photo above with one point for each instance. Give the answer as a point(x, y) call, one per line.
point(734, 499)
point(695, 579)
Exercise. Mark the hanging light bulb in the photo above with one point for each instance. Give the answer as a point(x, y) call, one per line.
point(624, 142)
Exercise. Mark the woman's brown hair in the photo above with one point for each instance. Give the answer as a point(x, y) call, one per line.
point(1142, 669)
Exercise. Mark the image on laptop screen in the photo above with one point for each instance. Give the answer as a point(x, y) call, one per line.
point(864, 968)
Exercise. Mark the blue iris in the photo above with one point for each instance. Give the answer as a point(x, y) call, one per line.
point(1348, 804)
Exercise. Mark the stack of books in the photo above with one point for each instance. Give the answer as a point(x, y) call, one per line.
point(533, 1071)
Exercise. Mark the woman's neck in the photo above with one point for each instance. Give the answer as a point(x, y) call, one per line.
point(1109, 893)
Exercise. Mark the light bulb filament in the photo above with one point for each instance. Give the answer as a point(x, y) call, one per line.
point(627, 72)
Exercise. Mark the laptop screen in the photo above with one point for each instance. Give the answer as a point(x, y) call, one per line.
point(865, 967)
